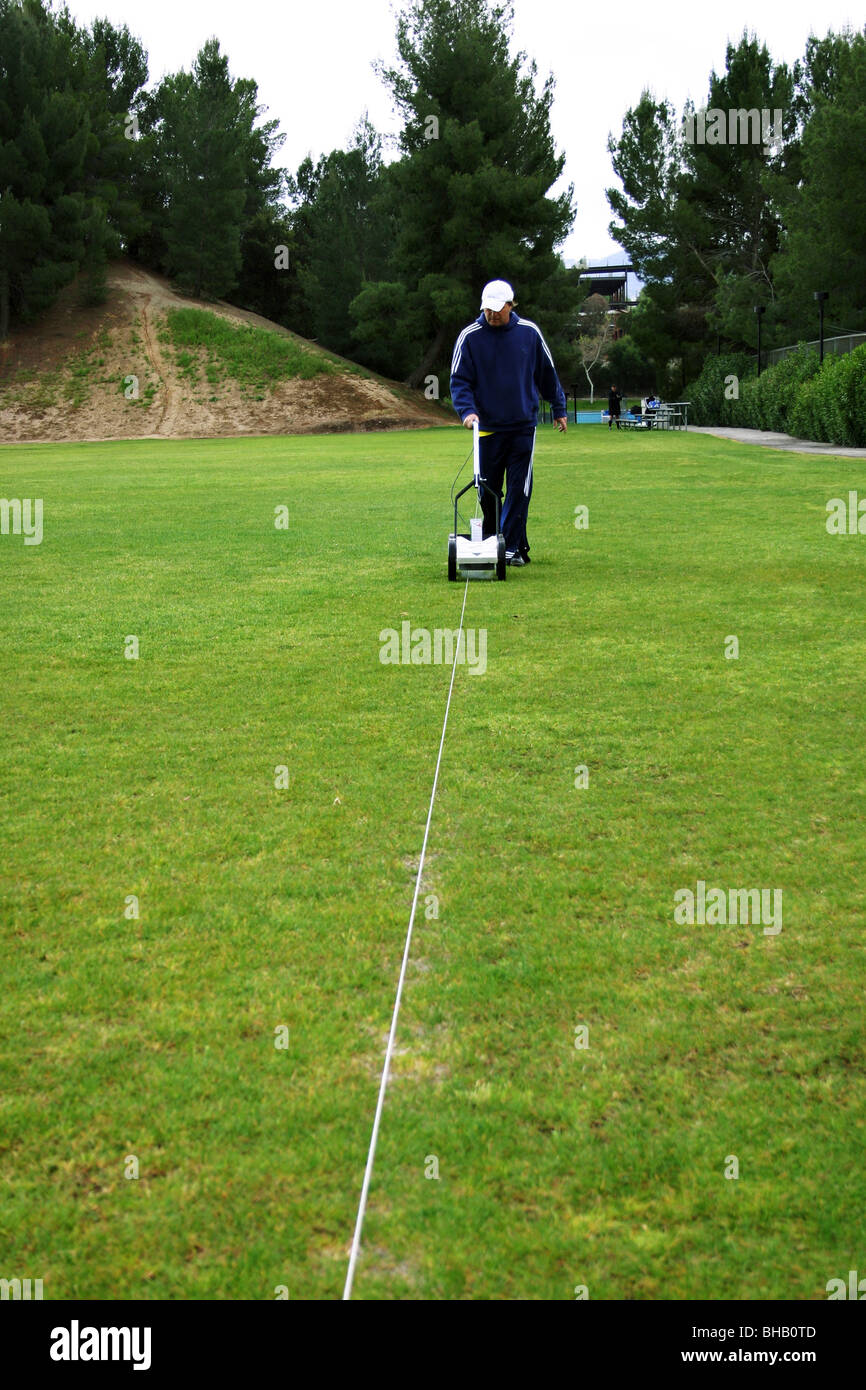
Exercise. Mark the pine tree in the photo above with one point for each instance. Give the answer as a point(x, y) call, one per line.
point(343, 233)
point(473, 184)
point(210, 195)
point(45, 139)
point(825, 210)
point(202, 165)
point(695, 214)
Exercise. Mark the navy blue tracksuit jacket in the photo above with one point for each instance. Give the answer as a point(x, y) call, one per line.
point(499, 374)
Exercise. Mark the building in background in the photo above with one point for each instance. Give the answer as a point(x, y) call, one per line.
point(615, 280)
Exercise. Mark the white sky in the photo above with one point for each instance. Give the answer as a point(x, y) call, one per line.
point(312, 62)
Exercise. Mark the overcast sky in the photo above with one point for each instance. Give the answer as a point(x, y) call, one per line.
point(312, 62)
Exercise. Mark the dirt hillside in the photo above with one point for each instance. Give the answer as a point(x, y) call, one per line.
point(107, 372)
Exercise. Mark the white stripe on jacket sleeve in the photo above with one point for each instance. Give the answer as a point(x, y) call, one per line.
point(530, 324)
point(458, 346)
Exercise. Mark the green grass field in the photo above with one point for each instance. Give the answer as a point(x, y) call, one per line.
point(150, 1040)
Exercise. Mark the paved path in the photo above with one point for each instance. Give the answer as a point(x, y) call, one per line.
point(778, 441)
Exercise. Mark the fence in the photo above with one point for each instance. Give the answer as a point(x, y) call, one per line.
point(580, 417)
point(845, 342)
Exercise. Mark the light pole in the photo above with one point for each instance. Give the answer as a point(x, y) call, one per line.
point(760, 310)
point(821, 295)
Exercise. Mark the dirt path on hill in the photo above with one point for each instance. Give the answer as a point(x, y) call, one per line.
point(167, 424)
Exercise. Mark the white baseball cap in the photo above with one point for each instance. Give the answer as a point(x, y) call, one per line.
point(497, 294)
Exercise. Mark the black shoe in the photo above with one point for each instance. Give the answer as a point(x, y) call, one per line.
point(525, 554)
point(513, 557)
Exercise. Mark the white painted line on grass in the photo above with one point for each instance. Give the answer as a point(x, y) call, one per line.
point(356, 1240)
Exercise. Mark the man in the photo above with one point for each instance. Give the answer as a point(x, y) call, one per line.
point(614, 405)
point(501, 366)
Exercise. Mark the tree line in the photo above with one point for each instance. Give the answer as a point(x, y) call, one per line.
point(717, 225)
point(93, 165)
point(381, 259)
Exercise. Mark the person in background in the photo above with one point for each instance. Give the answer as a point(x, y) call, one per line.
point(614, 406)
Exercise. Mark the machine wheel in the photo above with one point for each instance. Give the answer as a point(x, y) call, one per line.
point(501, 571)
point(452, 557)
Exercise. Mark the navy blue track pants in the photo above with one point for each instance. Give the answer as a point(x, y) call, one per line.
point(506, 458)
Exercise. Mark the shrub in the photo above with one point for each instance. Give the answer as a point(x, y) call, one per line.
point(776, 389)
point(709, 405)
point(832, 405)
point(746, 411)
point(804, 421)
point(795, 396)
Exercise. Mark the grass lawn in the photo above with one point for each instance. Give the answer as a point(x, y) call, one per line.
point(148, 1041)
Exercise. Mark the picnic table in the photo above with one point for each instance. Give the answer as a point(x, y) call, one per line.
point(673, 415)
point(670, 415)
